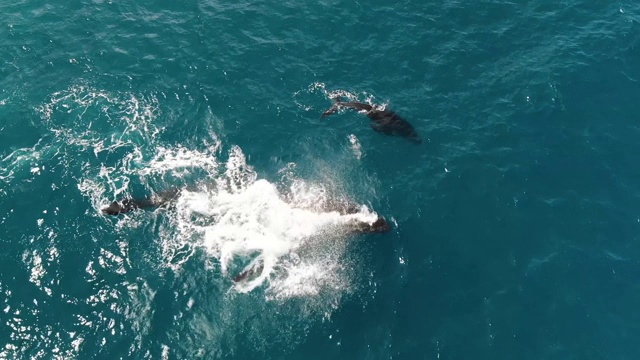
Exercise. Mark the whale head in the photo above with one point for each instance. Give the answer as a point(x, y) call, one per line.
point(379, 226)
point(116, 208)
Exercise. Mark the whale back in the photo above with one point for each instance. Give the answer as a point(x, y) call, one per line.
point(389, 123)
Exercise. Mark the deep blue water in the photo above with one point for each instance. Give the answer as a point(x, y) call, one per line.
point(515, 222)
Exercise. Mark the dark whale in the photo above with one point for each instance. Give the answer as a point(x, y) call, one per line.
point(383, 121)
point(129, 204)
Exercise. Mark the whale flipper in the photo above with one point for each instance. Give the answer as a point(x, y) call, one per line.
point(353, 105)
point(330, 110)
point(337, 105)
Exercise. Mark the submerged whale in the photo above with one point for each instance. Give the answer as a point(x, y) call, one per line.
point(382, 121)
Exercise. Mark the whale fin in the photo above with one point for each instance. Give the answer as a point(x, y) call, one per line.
point(330, 111)
point(337, 104)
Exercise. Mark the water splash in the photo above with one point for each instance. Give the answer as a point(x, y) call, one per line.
point(245, 218)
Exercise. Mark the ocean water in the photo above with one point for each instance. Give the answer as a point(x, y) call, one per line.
point(514, 224)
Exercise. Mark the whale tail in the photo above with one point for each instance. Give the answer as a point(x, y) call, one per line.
point(337, 101)
point(339, 104)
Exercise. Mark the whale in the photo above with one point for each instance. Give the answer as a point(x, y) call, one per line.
point(123, 206)
point(382, 121)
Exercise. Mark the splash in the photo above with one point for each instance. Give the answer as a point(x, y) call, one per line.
point(355, 146)
point(247, 222)
point(179, 160)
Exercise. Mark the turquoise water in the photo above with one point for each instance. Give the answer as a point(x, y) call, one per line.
point(515, 222)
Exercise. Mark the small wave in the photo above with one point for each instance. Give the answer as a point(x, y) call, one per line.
point(24, 163)
point(180, 159)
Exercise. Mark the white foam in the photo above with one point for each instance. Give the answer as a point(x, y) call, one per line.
point(128, 117)
point(246, 217)
point(355, 146)
point(21, 162)
point(256, 219)
point(344, 94)
point(180, 158)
